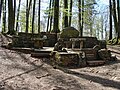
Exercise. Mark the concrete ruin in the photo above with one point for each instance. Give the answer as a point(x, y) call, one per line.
point(70, 49)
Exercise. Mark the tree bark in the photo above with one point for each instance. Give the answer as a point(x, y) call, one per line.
point(102, 28)
point(51, 17)
point(39, 16)
point(49, 14)
point(4, 17)
point(66, 13)
point(82, 21)
point(10, 17)
point(115, 17)
point(110, 20)
point(70, 11)
point(56, 19)
point(1, 3)
point(33, 18)
point(18, 12)
point(27, 14)
point(118, 11)
point(79, 16)
point(56, 16)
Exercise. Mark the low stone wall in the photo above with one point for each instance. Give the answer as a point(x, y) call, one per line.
point(26, 39)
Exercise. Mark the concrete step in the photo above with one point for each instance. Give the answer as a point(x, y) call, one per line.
point(95, 62)
point(24, 50)
point(38, 55)
point(115, 49)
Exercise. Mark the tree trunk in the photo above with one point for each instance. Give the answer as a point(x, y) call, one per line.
point(110, 18)
point(4, 17)
point(56, 16)
point(39, 16)
point(18, 12)
point(27, 14)
point(33, 18)
point(79, 16)
point(66, 13)
point(82, 18)
point(70, 11)
point(91, 28)
point(14, 11)
point(49, 16)
point(118, 10)
point(10, 17)
point(102, 24)
point(1, 3)
point(115, 17)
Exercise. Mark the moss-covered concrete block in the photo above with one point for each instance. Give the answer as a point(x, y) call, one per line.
point(69, 32)
point(65, 59)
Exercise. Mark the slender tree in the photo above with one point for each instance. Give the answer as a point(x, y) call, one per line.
point(1, 3)
point(14, 10)
point(102, 26)
point(115, 16)
point(18, 12)
point(56, 19)
point(79, 17)
point(70, 11)
point(49, 14)
point(91, 20)
point(27, 16)
point(28, 5)
point(11, 17)
point(118, 11)
point(33, 18)
point(39, 16)
point(65, 13)
point(56, 16)
point(82, 18)
point(4, 17)
point(110, 18)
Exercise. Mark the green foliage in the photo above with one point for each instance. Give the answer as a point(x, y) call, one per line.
point(22, 19)
point(48, 12)
point(113, 41)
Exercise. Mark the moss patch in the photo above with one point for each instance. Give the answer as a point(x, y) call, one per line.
point(69, 32)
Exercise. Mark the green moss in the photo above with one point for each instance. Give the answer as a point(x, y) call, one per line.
point(113, 41)
point(69, 32)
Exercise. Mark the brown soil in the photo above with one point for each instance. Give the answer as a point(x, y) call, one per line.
point(19, 71)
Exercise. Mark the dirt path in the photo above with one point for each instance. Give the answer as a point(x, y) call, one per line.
point(19, 71)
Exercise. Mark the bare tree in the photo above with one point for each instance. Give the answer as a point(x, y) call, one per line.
point(1, 3)
point(110, 18)
point(4, 17)
point(39, 16)
point(11, 17)
point(70, 11)
point(18, 12)
point(80, 16)
point(28, 5)
point(65, 16)
point(56, 16)
point(118, 11)
point(49, 14)
point(33, 18)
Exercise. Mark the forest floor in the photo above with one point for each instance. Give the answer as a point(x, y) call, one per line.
point(19, 71)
